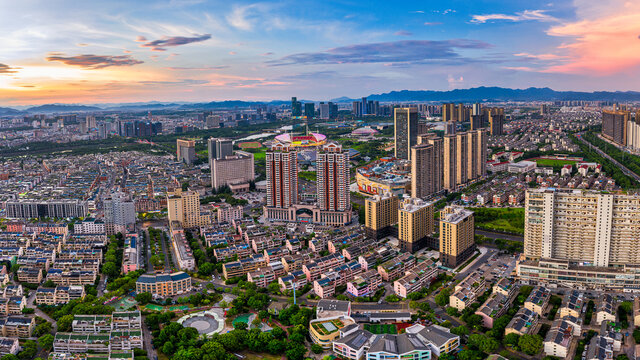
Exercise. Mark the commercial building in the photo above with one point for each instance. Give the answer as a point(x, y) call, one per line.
point(581, 237)
point(397, 347)
point(186, 151)
point(324, 331)
point(456, 236)
point(415, 223)
point(427, 166)
point(184, 207)
point(405, 131)
point(164, 284)
point(235, 170)
point(381, 213)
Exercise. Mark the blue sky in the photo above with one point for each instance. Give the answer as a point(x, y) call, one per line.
point(191, 50)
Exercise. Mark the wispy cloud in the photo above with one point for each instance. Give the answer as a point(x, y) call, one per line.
point(241, 17)
point(402, 33)
point(540, 56)
point(162, 44)
point(6, 69)
point(89, 61)
point(407, 51)
point(220, 67)
point(432, 23)
point(537, 15)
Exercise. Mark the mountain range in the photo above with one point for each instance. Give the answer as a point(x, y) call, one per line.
point(478, 94)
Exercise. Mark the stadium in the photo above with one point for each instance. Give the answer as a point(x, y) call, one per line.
point(310, 140)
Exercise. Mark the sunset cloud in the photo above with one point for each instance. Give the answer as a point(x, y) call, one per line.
point(89, 61)
point(527, 15)
point(6, 69)
point(604, 44)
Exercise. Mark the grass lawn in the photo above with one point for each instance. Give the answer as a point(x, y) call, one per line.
point(509, 220)
point(263, 356)
point(554, 162)
point(308, 175)
point(381, 328)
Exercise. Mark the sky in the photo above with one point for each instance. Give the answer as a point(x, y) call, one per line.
point(95, 52)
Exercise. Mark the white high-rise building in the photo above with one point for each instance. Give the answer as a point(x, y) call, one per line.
point(119, 210)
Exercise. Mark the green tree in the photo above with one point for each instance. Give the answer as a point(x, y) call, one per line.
point(44, 328)
point(110, 269)
point(296, 351)
point(143, 298)
point(460, 330)
point(511, 340)
point(317, 349)
point(64, 323)
point(46, 341)
point(442, 298)
point(168, 348)
point(530, 344)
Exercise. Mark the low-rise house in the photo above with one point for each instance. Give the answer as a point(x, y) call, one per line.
point(354, 345)
point(572, 304)
point(164, 284)
point(538, 300)
point(71, 277)
point(17, 326)
point(325, 287)
point(397, 267)
point(522, 323)
point(466, 292)
point(415, 279)
point(91, 324)
point(558, 339)
point(9, 346)
point(261, 277)
point(365, 284)
point(296, 278)
point(496, 305)
point(81, 343)
point(606, 309)
point(397, 347)
point(30, 275)
point(12, 290)
point(440, 339)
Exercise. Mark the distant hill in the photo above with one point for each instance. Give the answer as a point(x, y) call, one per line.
point(59, 108)
point(9, 111)
point(230, 104)
point(503, 94)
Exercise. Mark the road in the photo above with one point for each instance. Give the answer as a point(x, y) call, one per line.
point(30, 304)
point(496, 235)
point(624, 169)
point(480, 260)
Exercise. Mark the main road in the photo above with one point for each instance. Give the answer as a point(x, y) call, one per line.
point(623, 168)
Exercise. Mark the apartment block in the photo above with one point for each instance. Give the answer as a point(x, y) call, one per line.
point(466, 291)
point(396, 268)
point(415, 223)
point(164, 284)
point(457, 234)
point(420, 276)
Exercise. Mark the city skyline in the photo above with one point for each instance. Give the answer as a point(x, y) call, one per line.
point(194, 50)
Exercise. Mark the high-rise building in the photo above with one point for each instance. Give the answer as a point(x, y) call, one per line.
point(184, 207)
point(235, 171)
point(633, 132)
point(477, 122)
point(405, 131)
point(449, 128)
point(332, 168)
point(415, 223)
point(356, 108)
point(91, 122)
point(296, 107)
point(544, 109)
point(614, 126)
point(426, 166)
point(381, 213)
point(186, 151)
point(119, 213)
point(476, 109)
point(464, 158)
point(448, 112)
point(495, 120)
point(456, 235)
point(309, 110)
point(328, 110)
point(282, 176)
point(364, 107)
point(581, 238)
point(219, 148)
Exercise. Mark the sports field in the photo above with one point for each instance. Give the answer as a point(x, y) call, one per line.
point(554, 162)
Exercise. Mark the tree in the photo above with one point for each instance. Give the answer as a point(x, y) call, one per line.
point(9, 357)
point(276, 346)
point(442, 298)
point(296, 351)
point(64, 323)
point(168, 348)
point(530, 344)
point(44, 328)
point(110, 269)
point(317, 349)
point(451, 311)
point(143, 298)
point(511, 340)
point(460, 330)
point(46, 341)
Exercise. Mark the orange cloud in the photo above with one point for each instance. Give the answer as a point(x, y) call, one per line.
point(601, 45)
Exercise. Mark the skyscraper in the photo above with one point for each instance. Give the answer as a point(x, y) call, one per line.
point(184, 207)
point(477, 109)
point(219, 148)
point(282, 176)
point(381, 213)
point(456, 236)
point(426, 166)
point(296, 107)
point(186, 150)
point(464, 158)
point(364, 107)
point(356, 108)
point(448, 112)
point(405, 131)
point(309, 110)
point(449, 157)
point(119, 213)
point(332, 167)
point(415, 223)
